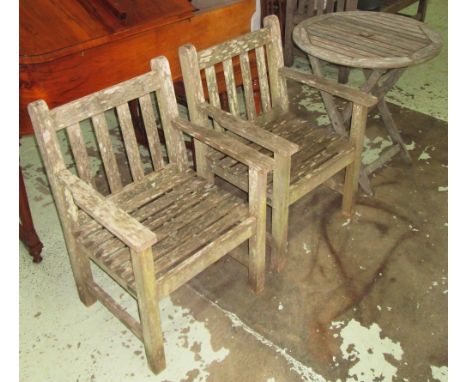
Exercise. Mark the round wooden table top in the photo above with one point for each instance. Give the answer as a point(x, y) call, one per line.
point(367, 39)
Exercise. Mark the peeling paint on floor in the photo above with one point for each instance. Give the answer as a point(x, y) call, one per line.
point(369, 353)
point(440, 373)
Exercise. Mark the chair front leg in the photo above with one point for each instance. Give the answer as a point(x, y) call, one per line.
point(358, 127)
point(257, 207)
point(80, 263)
point(280, 211)
point(148, 308)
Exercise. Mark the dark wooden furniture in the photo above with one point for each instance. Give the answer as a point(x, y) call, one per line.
point(27, 231)
point(305, 155)
point(160, 228)
point(381, 44)
point(74, 47)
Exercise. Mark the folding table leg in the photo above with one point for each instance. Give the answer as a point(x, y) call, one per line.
point(336, 119)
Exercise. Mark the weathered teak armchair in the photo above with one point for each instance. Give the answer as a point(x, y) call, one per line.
point(166, 224)
point(305, 156)
point(299, 10)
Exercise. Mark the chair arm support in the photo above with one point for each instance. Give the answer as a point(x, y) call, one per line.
point(250, 131)
point(226, 144)
point(343, 91)
point(125, 227)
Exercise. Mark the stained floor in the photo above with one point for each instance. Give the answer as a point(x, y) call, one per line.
point(360, 300)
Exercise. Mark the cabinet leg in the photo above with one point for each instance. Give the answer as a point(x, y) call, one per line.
point(27, 232)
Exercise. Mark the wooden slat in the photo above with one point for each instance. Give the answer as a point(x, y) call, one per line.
point(80, 153)
point(231, 87)
point(319, 4)
point(153, 215)
point(226, 144)
point(76, 111)
point(209, 254)
point(251, 132)
point(263, 79)
point(232, 48)
point(248, 87)
point(152, 135)
point(107, 152)
point(117, 310)
point(200, 234)
point(340, 5)
point(131, 145)
point(340, 90)
point(278, 87)
point(213, 92)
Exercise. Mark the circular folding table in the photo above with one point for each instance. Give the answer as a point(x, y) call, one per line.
point(383, 45)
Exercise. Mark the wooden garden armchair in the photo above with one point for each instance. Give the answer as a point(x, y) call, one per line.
point(305, 155)
point(162, 227)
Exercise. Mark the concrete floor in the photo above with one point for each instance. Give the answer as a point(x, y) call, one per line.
point(361, 300)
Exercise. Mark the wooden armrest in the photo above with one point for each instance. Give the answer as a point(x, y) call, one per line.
point(333, 88)
point(250, 131)
point(226, 144)
point(125, 227)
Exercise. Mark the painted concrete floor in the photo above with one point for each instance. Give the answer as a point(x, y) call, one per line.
point(361, 300)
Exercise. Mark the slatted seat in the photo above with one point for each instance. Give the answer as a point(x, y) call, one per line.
point(161, 224)
point(185, 209)
point(318, 149)
point(304, 154)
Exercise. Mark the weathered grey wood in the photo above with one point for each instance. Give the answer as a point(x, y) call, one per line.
point(148, 308)
point(122, 225)
point(257, 207)
point(279, 90)
point(93, 104)
point(280, 211)
point(131, 145)
point(194, 94)
point(343, 91)
point(250, 131)
point(332, 111)
point(358, 127)
point(180, 274)
point(367, 39)
point(231, 86)
point(163, 228)
point(152, 135)
point(229, 49)
point(383, 45)
point(226, 144)
point(297, 12)
point(248, 87)
point(80, 154)
point(107, 152)
point(304, 155)
point(390, 125)
point(263, 79)
point(213, 92)
point(117, 310)
point(46, 138)
point(168, 111)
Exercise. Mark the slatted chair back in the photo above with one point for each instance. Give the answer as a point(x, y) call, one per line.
point(112, 129)
point(258, 51)
point(299, 10)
